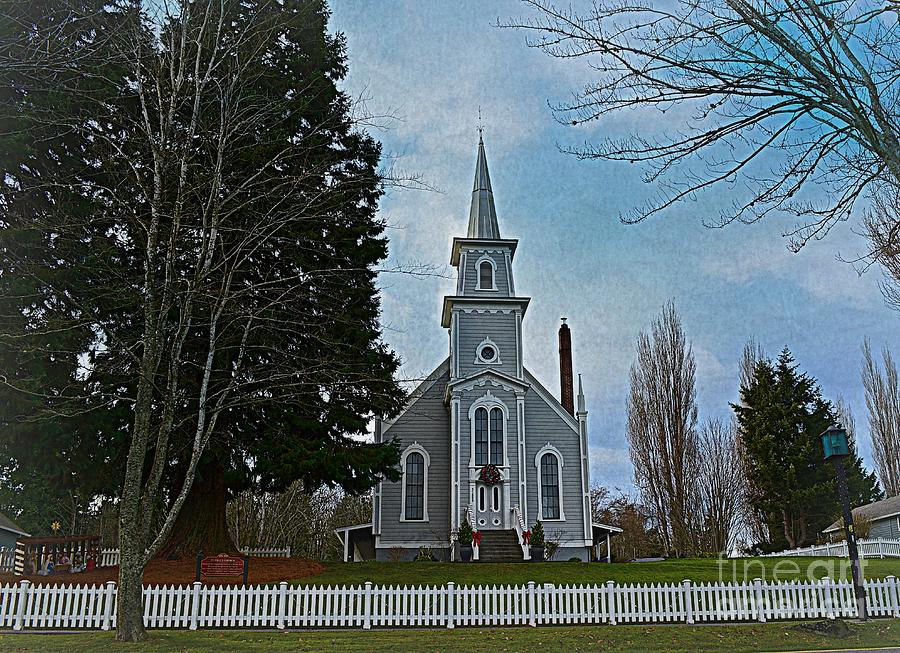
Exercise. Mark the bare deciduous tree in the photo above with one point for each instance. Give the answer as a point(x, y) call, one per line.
point(721, 487)
point(662, 430)
point(798, 101)
point(883, 403)
point(303, 520)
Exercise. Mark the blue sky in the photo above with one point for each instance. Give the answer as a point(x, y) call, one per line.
point(431, 65)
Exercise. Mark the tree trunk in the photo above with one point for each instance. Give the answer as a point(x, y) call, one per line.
point(201, 525)
point(789, 529)
point(130, 610)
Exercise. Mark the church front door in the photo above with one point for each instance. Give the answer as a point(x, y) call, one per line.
point(489, 506)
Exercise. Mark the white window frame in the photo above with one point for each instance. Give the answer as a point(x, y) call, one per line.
point(480, 360)
point(415, 447)
point(488, 401)
point(549, 448)
point(488, 259)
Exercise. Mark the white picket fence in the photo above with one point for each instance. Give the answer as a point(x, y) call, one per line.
point(110, 557)
point(27, 606)
point(878, 548)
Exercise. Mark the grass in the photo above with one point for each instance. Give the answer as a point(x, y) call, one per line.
point(560, 573)
point(640, 639)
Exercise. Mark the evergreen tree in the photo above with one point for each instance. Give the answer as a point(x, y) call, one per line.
point(781, 417)
point(264, 145)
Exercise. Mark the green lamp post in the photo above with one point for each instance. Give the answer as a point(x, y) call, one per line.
point(836, 446)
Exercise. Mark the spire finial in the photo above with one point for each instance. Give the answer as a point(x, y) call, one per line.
point(480, 124)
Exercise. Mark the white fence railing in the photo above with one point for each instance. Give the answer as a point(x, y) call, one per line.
point(110, 557)
point(7, 559)
point(24, 605)
point(267, 553)
point(879, 548)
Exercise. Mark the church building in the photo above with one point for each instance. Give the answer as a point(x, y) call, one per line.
point(481, 438)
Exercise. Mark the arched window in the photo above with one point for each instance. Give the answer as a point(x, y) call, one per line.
point(414, 498)
point(485, 273)
point(488, 437)
point(549, 487)
point(496, 436)
point(481, 436)
point(485, 276)
point(415, 486)
point(549, 463)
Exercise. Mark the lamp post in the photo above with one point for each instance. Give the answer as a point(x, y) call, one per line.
point(834, 442)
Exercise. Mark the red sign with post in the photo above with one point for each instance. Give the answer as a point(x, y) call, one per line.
point(222, 566)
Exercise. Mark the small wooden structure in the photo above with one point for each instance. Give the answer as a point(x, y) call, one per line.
point(34, 553)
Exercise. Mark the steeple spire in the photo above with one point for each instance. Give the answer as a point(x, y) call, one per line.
point(482, 215)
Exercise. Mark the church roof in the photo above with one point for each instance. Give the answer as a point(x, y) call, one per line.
point(483, 215)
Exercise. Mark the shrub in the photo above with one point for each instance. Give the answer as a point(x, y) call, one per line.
point(425, 554)
point(537, 534)
point(464, 534)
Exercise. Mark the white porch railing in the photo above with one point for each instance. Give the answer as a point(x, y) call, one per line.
point(520, 532)
point(7, 559)
point(469, 516)
point(877, 548)
point(267, 553)
point(24, 606)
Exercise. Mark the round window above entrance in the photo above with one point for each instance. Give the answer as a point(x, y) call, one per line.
point(487, 353)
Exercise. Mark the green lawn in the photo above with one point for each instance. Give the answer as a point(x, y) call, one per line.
point(640, 639)
point(669, 571)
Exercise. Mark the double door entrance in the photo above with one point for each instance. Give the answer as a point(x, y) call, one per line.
point(489, 502)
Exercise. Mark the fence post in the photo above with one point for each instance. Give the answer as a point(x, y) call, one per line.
point(289, 552)
point(367, 607)
point(829, 596)
point(108, 601)
point(532, 613)
point(760, 600)
point(282, 603)
point(894, 593)
point(611, 601)
point(881, 548)
point(195, 605)
point(20, 605)
point(451, 604)
point(688, 600)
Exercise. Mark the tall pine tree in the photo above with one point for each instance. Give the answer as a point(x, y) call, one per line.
point(274, 155)
point(781, 416)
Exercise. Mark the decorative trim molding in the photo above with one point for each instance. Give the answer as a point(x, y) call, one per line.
point(486, 259)
point(481, 360)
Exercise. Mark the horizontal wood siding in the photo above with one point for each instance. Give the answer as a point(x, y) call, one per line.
point(427, 422)
point(887, 528)
point(474, 327)
point(471, 275)
point(543, 425)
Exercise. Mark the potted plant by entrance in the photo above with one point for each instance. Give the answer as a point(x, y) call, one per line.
point(537, 542)
point(464, 534)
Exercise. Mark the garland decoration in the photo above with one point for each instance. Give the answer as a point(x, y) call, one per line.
point(490, 475)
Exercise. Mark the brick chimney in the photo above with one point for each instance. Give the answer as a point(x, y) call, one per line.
point(566, 392)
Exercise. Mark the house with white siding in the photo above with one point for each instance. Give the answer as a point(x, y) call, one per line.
point(883, 517)
point(481, 438)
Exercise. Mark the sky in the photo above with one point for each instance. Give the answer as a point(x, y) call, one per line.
point(423, 69)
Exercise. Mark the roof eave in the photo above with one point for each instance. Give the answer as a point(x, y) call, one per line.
point(481, 242)
point(457, 299)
